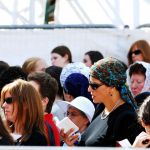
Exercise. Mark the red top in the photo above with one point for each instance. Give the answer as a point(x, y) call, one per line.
point(49, 119)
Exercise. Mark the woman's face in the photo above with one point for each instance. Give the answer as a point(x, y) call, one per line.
point(137, 83)
point(10, 108)
point(77, 117)
point(100, 93)
point(87, 61)
point(136, 54)
point(58, 60)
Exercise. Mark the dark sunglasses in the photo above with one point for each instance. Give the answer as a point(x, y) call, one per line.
point(8, 100)
point(136, 52)
point(95, 86)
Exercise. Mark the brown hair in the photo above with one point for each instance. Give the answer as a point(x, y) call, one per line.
point(29, 105)
point(145, 50)
point(62, 51)
point(48, 87)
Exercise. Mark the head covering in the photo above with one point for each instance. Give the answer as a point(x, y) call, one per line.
point(77, 67)
point(146, 87)
point(76, 85)
point(112, 72)
point(81, 103)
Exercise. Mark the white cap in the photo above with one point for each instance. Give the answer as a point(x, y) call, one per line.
point(76, 67)
point(81, 103)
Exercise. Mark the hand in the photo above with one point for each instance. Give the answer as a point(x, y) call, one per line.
point(69, 138)
point(142, 140)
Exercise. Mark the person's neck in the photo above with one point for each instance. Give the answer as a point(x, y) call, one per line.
point(113, 104)
point(58, 97)
point(17, 129)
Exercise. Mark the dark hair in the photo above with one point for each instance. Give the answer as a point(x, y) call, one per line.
point(144, 111)
point(3, 66)
point(94, 56)
point(144, 46)
point(11, 74)
point(48, 87)
point(138, 69)
point(141, 97)
point(63, 50)
point(55, 72)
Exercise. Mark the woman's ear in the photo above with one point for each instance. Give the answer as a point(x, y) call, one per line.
point(66, 57)
point(45, 102)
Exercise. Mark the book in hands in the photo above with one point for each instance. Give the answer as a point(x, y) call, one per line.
point(124, 143)
point(67, 124)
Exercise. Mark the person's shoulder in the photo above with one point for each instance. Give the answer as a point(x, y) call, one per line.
point(5, 141)
point(125, 113)
point(37, 138)
point(126, 108)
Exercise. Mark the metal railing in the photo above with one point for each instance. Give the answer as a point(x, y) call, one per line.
point(52, 26)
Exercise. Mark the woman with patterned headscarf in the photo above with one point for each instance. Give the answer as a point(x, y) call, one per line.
point(115, 122)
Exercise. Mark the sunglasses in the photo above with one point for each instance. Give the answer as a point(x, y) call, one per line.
point(8, 100)
point(95, 86)
point(136, 52)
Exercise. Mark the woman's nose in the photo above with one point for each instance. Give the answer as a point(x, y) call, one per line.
point(134, 85)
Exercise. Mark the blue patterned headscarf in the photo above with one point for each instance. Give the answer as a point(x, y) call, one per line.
point(112, 72)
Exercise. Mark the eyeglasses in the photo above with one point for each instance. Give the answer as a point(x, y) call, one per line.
point(95, 86)
point(136, 52)
point(8, 100)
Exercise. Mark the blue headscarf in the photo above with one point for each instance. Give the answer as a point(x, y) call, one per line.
point(76, 85)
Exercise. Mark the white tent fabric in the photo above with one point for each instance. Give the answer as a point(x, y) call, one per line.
point(18, 45)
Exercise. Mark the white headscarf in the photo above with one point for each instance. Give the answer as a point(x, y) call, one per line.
point(76, 67)
point(146, 87)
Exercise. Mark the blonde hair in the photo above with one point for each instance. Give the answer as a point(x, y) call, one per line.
point(26, 96)
point(30, 64)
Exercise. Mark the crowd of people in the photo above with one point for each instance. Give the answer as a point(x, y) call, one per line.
point(107, 100)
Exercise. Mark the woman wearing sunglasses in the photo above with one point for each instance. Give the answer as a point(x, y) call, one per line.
point(115, 122)
point(22, 108)
point(139, 51)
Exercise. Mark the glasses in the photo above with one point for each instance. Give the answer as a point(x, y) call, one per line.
point(8, 100)
point(136, 52)
point(95, 86)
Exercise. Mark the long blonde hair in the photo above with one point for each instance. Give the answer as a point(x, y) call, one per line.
point(26, 96)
